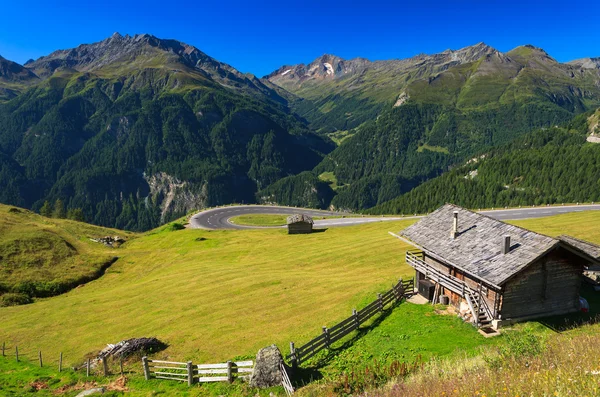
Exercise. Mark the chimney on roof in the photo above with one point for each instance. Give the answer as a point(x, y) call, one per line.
point(454, 232)
point(506, 245)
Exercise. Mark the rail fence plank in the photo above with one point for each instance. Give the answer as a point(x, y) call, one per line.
point(212, 371)
point(166, 362)
point(244, 363)
point(169, 378)
point(170, 374)
point(176, 368)
point(211, 366)
point(335, 336)
point(213, 379)
point(387, 299)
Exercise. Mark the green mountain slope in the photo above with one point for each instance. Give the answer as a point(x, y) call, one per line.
point(138, 130)
point(549, 166)
point(336, 94)
point(14, 78)
point(432, 112)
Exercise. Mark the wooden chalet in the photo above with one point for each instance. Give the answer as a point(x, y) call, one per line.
point(495, 272)
point(299, 224)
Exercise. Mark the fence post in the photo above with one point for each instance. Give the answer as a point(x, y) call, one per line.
point(17, 352)
point(356, 321)
point(60, 363)
point(401, 289)
point(229, 372)
point(146, 368)
point(326, 333)
point(40, 357)
point(105, 366)
point(3, 347)
point(121, 363)
point(87, 372)
point(293, 355)
point(380, 300)
point(190, 371)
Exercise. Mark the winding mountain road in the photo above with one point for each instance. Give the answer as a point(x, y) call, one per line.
point(219, 218)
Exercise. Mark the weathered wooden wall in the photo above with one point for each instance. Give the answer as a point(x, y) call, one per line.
point(456, 299)
point(300, 228)
point(548, 286)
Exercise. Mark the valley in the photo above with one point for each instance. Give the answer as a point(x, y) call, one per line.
point(145, 188)
point(135, 131)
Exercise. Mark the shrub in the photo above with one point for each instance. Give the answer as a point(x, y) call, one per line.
point(517, 345)
point(175, 226)
point(14, 299)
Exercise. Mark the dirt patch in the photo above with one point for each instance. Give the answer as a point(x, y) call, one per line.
point(78, 386)
point(119, 384)
point(38, 385)
point(447, 311)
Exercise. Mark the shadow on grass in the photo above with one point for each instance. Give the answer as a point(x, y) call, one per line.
point(323, 230)
point(302, 376)
point(577, 319)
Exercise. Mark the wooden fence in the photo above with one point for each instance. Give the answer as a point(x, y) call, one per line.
point(330, 335)
point(285, 380)
point(199, 373)
point(91, 367)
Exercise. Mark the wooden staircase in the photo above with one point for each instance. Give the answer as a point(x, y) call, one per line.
point(481, 314)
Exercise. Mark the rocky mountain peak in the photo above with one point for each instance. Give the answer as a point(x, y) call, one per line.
point(12, 71)
point(119, 49)
point(586, 63)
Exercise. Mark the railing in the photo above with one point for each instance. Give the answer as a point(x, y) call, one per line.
point(331, 335)
point(200, 373)
point(285, 380)
point(416, 259)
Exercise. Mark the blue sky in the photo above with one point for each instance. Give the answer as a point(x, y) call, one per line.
point(259, 37)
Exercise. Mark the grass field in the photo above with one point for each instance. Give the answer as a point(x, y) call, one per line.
point(271, 220)
point(216, 295)
point(43, 257)
point(260, 220)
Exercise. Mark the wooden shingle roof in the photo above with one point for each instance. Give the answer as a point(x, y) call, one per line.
point(477, 249)
point(590, 249)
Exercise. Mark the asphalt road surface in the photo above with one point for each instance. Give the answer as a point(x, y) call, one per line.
point(219, 218)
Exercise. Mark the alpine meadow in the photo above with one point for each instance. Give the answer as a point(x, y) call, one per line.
point(268, 199)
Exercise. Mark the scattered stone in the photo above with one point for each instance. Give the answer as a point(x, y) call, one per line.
point(109, 241)
point(125, 348)
point(89, 392)
point(267, 368)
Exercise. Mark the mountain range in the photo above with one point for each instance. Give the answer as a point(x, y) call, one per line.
point(137, 130)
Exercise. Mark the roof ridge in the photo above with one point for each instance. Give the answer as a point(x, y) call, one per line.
point(578, 239)
point(498, 220)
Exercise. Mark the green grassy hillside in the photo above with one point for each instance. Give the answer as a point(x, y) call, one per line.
point(213, 295)
point(44, 257)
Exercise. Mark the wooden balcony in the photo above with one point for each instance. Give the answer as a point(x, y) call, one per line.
point(477, 304)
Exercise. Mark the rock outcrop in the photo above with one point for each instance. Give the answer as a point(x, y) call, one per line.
point(267, 368)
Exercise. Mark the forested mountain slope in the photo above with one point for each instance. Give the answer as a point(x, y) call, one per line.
point(440, 111)
point(138, 130)
point(549, 166)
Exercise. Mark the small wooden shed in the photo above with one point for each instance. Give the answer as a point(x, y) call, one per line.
point(494, 272)
point(299, 224)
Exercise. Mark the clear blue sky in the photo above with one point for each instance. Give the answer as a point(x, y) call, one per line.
point(259, 37)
